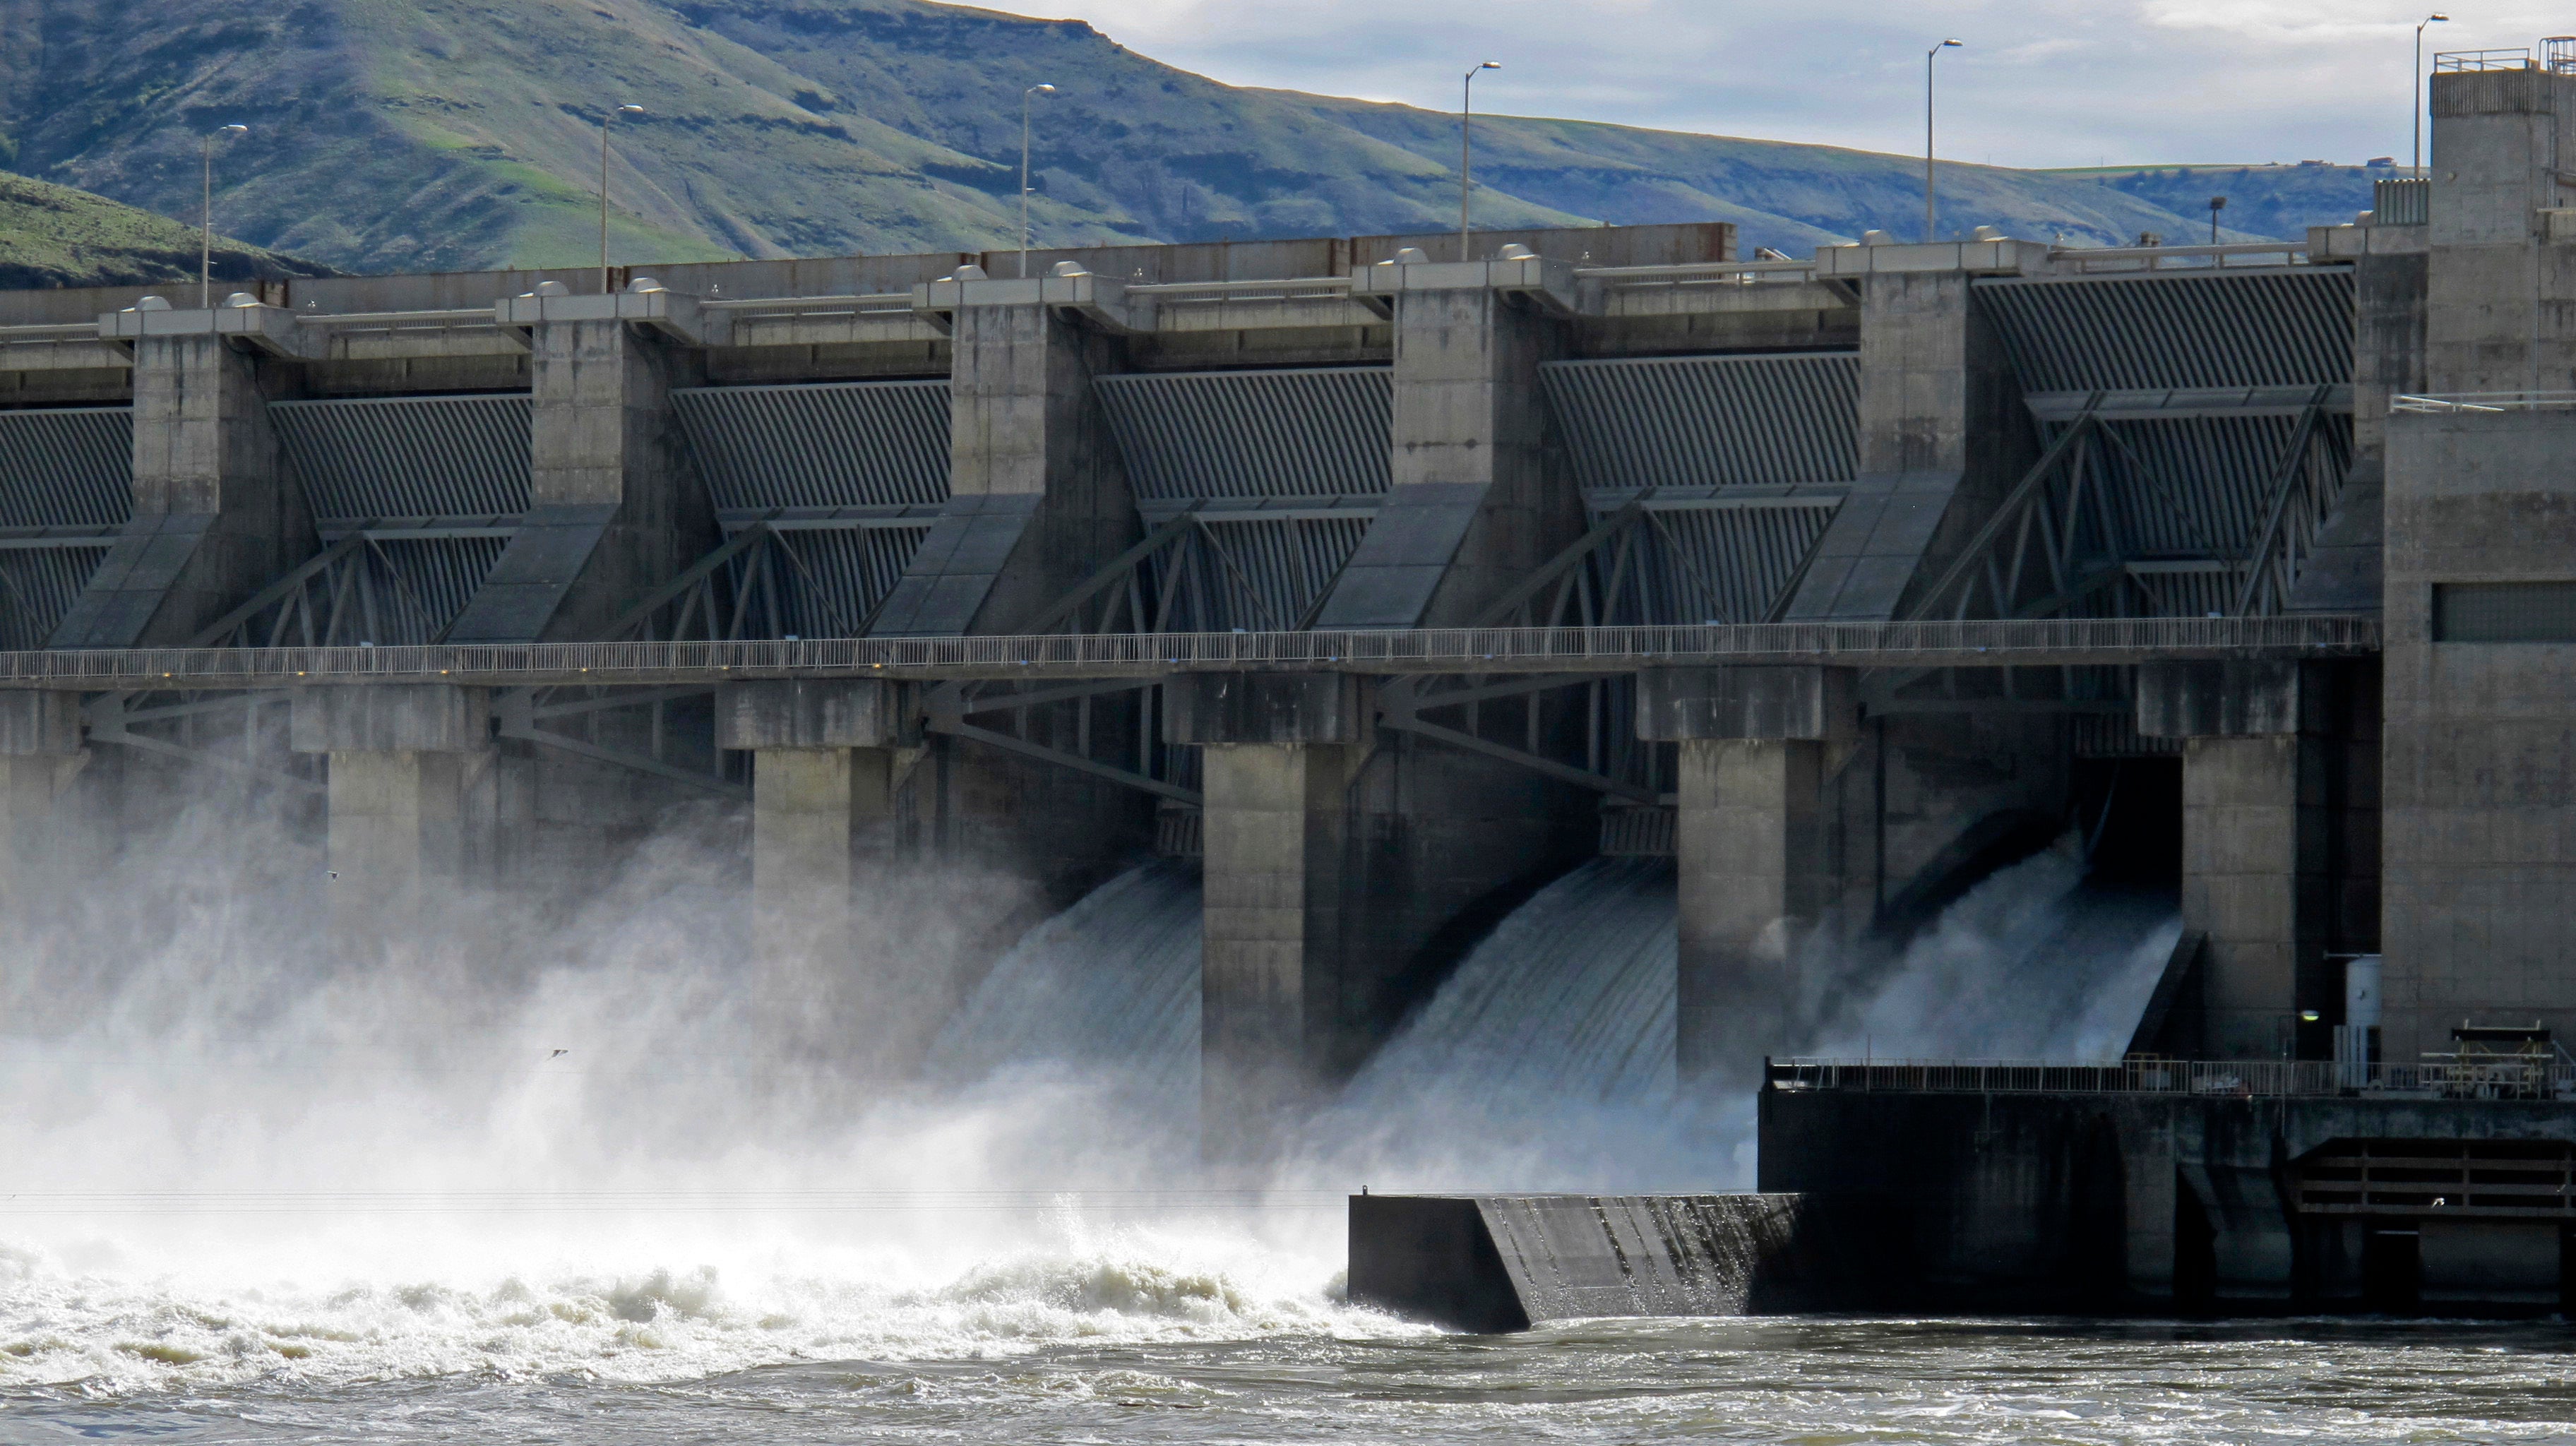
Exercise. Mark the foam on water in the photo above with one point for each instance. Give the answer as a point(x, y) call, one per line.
point(120, 1334)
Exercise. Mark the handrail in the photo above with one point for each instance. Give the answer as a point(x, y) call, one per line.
point(2515, 57)
point(2484, 402)
point(466, 315)
point(2496, 1077)
point(1688, 270)
point(2157, 258)
point(1938, 643)
point(887, 300)
point(1180, 288)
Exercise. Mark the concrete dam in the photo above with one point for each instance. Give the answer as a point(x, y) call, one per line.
point(1573, 665)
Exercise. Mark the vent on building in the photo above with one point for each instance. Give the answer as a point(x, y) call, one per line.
point(2504, 612)
point(2401, 201)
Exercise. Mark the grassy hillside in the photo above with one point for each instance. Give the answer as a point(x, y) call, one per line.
point(56, 236)
point(448, 134)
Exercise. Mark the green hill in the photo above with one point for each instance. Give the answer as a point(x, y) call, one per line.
point(56, 236)
point(452, 134)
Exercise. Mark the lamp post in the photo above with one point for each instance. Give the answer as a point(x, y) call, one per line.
point(1466, 106)
point(1025, 101)
point(2436, 18)
point(206, 252)
point(1931, 212)
point(603, 188)
point(2216, 205)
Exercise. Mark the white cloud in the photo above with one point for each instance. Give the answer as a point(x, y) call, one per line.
point(2050, 82)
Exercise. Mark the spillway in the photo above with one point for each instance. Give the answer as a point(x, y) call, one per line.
point(1546, 1059)
point(1109, 987)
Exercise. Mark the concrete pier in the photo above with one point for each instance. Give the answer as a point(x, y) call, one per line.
point(213, 517)
point(41, 752)
point(1749, 846)
point(613, 507)
point(823, 775)
point(2256, 830)
point(1287, 959)
point(1474, 503)
point(410, 809)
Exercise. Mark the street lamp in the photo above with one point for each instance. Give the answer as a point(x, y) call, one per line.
point(1931, 213)
point(1466, 104)
point(2216, 205)
point(206, 254)
point(2436, 18)
point(603, 188)
point(1035, 90)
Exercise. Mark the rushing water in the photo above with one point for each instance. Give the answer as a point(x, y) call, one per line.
point(1203, 1365)
point(248, 1194)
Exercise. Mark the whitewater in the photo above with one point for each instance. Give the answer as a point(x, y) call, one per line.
point(592, 1177)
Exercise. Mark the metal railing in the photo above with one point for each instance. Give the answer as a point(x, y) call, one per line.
point(1697, 273)
point(2084, 260)
point(871, 303)
point(2498, 1078)
point(1937, 643)
point(2516, 57)
point(2485, 402)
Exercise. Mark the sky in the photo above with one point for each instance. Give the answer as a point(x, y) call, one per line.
point(2039, 83)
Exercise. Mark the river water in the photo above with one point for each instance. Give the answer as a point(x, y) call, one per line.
point(1105, 1349)
point(619, 1185)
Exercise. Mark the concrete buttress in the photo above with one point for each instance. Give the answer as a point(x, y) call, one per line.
point(213, 520)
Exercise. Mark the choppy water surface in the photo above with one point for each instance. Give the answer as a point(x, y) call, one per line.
point(1232, 1368)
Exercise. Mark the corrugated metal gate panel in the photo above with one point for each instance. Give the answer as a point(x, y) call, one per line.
point(421, 584)
point(829, 579)
point(1308, 432)
point(67, 466)
point(1709, 421)
point(409, 456)
point(1256, 574)
point(37, 586)
point(828, 444)
point(1717, 564)
point(2207, 329)
point(2216, 474)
